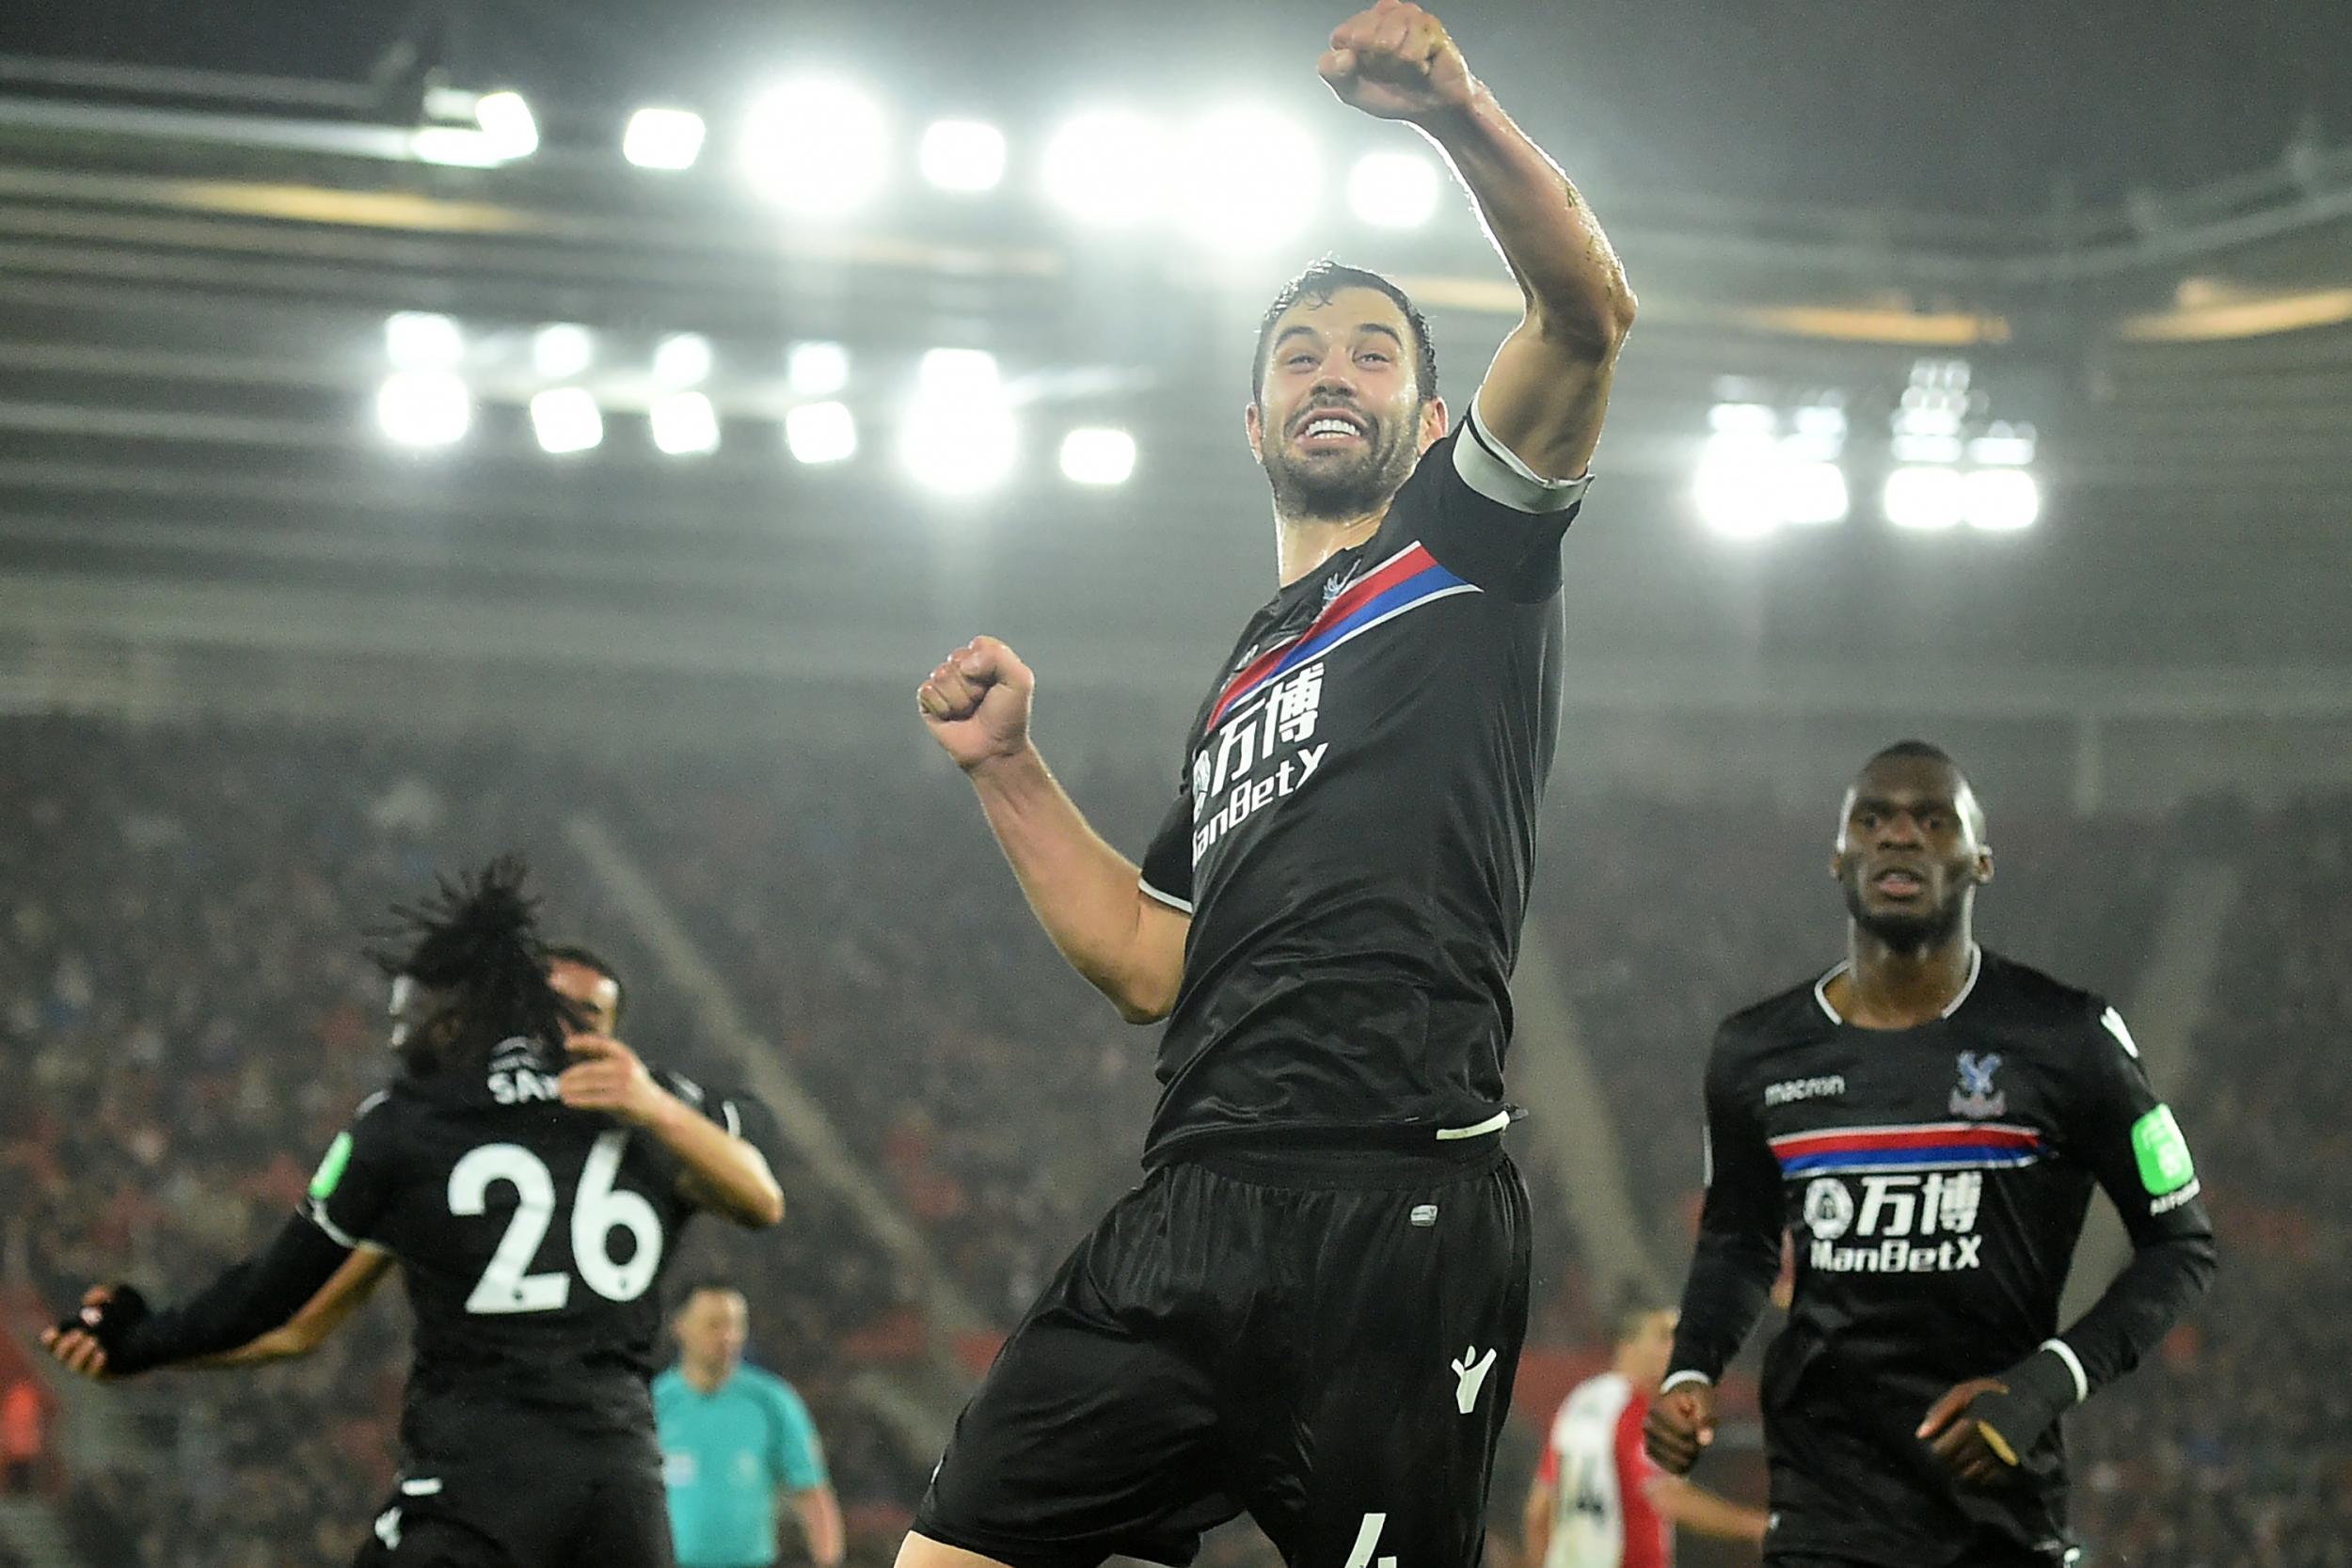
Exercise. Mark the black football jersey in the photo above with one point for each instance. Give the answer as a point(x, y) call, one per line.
point(1934, 1181)
point(1353, 832)
point(533, 1239)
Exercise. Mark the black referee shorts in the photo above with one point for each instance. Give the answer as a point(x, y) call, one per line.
point(552, 1506)
point(1326, 1342)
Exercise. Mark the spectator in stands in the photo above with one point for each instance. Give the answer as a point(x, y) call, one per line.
point(23, 1430)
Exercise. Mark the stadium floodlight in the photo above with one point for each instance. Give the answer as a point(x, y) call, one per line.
point(423, 409)
point(508, 128)
point(1394, 190)
point(1107, 167)
point(663, 139)
point(821, 431)
point(423, 341)
point(1738, 486)
point(2003, 446)
point(817, 148)
point(963, 155)
point(1742, 418)
point(1811, 493)
point(682, 359)
point(2000, 500)
point(561, 350)
point(566, 419)
point(816, 370)
point(684, 424)
point(1925, 499)
point(1098, 456)
point(957, 372)
point(453, 147)
point(1245, 179)
point(958, 437)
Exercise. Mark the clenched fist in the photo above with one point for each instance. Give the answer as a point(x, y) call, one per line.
point(1395, 62)
point(977, 703)
point(1680, 1424)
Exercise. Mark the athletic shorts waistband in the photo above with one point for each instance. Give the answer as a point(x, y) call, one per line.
point(1350, 1166)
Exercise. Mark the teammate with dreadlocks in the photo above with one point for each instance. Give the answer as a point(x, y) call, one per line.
point(533, 1206)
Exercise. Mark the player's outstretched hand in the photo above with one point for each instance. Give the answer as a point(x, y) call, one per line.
point(606, 1075)
point(1679, 1426)
point(1395, 62)
point(977, 703)
point(1957, 1438)
point(74, 1340)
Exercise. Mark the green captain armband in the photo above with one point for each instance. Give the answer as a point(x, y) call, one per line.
point(330, 1171)
point(2165, 1165)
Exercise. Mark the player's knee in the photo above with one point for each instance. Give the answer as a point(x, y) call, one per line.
point(921, 1551)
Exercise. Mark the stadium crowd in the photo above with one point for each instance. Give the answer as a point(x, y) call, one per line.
point(186, 1017)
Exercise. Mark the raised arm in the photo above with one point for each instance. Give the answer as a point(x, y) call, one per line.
point(1089, 897)
point(1548, 389)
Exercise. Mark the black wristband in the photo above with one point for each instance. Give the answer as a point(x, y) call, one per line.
point(2033, 1395)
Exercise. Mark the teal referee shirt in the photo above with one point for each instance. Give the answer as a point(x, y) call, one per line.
point(723, 1454)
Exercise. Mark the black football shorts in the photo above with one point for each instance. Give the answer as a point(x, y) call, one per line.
point(1324, 1340)
point(555, 1506)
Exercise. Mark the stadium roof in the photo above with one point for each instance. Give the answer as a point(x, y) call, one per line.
point(1964, 106)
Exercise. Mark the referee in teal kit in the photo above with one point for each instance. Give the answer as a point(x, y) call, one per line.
point(732, 1438)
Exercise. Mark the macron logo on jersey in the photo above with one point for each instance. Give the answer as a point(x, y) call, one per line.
point(1794, 1090)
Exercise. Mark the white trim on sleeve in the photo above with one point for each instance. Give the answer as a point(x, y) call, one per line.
point(1179, 905)
point(335, 1233)
point(2074, 1364)
point(1686, 1375)
point(1498, 473)
point(1495, 1123)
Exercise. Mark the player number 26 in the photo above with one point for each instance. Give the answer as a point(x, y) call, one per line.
point(598, 1209)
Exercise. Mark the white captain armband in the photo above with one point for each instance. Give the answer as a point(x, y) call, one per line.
point(1497, 472)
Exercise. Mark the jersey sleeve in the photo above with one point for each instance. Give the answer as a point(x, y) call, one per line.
point(741, 1114)
point(2133, 1144)
point(1485, 516)
point(1168, 863)
point(795, 1457)
point(352, 1188)
point(1738, 1247)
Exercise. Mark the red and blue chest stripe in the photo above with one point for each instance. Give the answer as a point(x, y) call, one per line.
point(1923, 1145)
point(1406, 581)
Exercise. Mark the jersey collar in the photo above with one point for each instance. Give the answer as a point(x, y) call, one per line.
point(1975, 967)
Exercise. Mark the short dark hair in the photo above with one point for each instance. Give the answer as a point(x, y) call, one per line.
point(1927, 751)
point(1627, 1327)
point(573, 952)
point(478, 938)
point(1923, 749)
point(723, 1284)
point(1322, 281)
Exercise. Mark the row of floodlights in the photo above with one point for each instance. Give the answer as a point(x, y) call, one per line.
point(957, 434)
point(1240, 176)
point(1759, 474)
